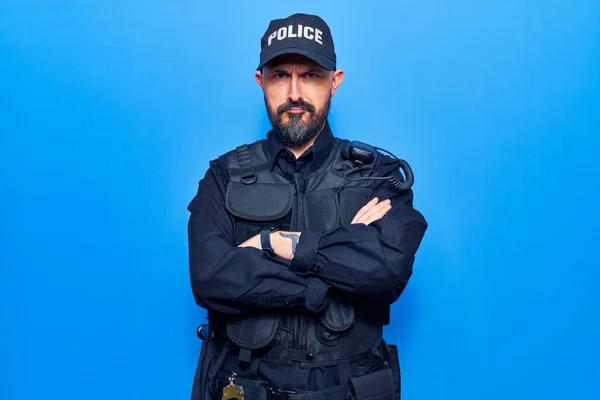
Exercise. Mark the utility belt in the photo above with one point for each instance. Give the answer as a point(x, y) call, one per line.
point(383, 383)
point(378, 385)
point(306, 358)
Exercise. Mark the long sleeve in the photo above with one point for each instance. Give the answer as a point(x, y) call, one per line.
point(368, 263)
point(232, 280)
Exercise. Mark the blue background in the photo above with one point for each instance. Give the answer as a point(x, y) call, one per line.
point(111, 110)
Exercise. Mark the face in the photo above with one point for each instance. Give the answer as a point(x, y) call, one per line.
point(298, 95)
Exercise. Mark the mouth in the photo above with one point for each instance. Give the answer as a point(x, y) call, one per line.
point(296, 110)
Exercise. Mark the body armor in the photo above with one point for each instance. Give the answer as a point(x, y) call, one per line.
point(262, 197)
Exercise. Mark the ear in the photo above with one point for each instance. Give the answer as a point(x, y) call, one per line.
point(338, 78)
point(259, 78)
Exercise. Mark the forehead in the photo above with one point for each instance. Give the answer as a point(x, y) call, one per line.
point(291, 61)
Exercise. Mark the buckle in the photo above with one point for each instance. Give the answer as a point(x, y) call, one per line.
point(248, 178)
point(278, 394)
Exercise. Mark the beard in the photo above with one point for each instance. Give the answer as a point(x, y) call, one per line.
point(297, 133)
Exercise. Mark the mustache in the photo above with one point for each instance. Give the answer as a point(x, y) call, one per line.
point(295, 104)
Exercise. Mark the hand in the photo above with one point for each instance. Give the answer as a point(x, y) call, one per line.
point(254, 241)
point(372, 211)
point(283, 243)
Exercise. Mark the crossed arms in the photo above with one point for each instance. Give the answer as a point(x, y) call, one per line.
point(284, 243)
point(369, 259)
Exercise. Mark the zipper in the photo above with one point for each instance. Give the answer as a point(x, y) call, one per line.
point(300, 183)
point(298, 328)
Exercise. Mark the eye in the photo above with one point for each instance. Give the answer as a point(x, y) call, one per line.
point(311, 75)
point(280, 75)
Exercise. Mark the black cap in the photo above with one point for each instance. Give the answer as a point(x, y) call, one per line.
point(303, 34)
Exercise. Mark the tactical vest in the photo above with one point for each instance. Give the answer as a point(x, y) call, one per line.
point(259, 198)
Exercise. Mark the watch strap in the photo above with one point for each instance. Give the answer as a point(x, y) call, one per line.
point(265, 241)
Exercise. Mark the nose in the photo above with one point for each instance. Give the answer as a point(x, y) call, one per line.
point(294, 94)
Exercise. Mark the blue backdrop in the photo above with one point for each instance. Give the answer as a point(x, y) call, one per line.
point(111, 110)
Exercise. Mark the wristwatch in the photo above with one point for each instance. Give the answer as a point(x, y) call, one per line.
point(265, 241)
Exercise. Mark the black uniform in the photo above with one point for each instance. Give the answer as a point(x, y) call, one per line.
point(314, 323)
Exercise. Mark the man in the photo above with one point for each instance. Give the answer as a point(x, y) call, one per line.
point(300, 243)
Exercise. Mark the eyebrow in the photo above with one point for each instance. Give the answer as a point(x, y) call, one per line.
point(308, 71)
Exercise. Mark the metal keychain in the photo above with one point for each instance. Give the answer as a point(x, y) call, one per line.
point(232, 391)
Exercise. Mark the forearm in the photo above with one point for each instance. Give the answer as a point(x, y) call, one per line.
point(364, 260)
point(235, 280)
point(362, 268)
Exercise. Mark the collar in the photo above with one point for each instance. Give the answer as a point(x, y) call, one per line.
point(318, 151)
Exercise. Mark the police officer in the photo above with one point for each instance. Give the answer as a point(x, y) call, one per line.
point(300, 243)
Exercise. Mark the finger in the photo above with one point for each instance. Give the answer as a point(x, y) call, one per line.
point(376, 212)
point(372, 209)
point(372, 203)
point(361, 219)
point(364, 209)
point(376, 216)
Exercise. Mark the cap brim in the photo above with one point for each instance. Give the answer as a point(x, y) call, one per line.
point(313, 55)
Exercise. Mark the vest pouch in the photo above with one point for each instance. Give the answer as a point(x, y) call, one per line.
point(252, 332)
point(259, 201)
point(374, 386)
point(336, 319)
point(259, 206)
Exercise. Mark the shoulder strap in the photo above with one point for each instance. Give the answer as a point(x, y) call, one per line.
point(248, 176)
point(249, 159)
